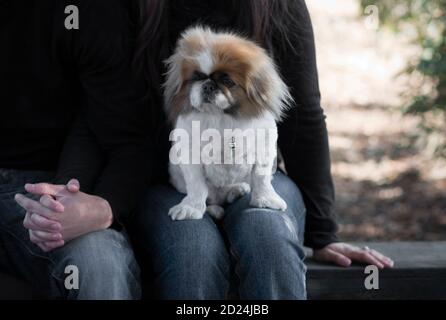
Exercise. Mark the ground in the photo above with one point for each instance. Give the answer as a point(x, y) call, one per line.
point(388, 185)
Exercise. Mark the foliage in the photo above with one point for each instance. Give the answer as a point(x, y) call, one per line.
point(425, 22)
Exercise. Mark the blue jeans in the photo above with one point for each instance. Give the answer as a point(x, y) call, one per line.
point(252, 254)
point(105, 261)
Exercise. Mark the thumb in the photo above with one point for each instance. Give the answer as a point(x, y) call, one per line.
point(328, 255)
point(73, 186)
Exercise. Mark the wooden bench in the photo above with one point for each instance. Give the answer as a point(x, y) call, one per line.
point(419, 273)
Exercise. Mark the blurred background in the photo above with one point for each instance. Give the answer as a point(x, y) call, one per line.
point(382, 66)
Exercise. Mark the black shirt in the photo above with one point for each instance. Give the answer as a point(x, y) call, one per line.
point(73, 88)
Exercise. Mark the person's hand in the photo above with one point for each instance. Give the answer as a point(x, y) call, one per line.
point(344, 254)
point(62, 214)
point(43, 232)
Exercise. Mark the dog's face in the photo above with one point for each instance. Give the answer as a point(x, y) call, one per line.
point(211, 92)
point(222, 73)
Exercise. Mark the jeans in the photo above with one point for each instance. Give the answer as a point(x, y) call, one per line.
point(104, 259)
point(251, 254)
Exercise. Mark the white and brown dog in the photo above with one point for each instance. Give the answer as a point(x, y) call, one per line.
point(224, 83)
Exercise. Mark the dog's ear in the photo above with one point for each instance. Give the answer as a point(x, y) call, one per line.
point(176, 90)
point(172, 86)
point(256, 90)
point(266, 89)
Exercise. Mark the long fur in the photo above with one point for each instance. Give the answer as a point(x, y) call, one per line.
point(257, 100)
point(263, 83)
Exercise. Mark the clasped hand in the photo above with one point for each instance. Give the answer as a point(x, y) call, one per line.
point(62, 213)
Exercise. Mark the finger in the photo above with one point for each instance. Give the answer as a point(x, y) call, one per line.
point(54, 245)
point(35, 207)
point(49, 202)
point(43, 247)
point(74, 185)
point(329, 255)
point(44, 188)
point(363, 256)
point(386, 261)
point(380, 256)
point(44, 224)
point(47, 236)
point(46, 246)
point(27, 222)
point(33, 238)
point(26, 203)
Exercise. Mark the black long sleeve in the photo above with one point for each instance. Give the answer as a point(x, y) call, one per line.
point(114, 108)
point(303, 138)
point(81, 158)
point(69, 100)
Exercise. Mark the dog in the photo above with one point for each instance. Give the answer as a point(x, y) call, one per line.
point(220, 82)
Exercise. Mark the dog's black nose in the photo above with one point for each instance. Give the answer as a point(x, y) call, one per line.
point(209, 87)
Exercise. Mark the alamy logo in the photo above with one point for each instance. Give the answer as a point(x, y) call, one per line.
point(371, 282)
point(372, 17)
point(72, 20)
point(229, 146)
point(72, 279)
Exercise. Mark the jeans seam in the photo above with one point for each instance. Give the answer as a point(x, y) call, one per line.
point(236, 258)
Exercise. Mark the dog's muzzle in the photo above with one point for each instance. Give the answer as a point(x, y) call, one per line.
point(209, 89)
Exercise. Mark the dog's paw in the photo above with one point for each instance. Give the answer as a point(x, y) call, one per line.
point(184, 211)
point(216, 212)
point(270, 201)
point(237, 191)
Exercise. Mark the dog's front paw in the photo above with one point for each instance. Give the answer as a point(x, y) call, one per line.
point(237, 191)
point(271, 201)
point(184, 211)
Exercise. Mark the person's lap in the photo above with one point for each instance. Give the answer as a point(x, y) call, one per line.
point(197, 259)
point(104, 259)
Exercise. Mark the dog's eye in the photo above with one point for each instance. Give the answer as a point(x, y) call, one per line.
point(226, 80)
point(198, 76)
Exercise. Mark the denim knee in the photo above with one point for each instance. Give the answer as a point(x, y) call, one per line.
point(187, 259)
point(107, 269)
point(268, 254)
point(194, 265)
point(264, 234)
